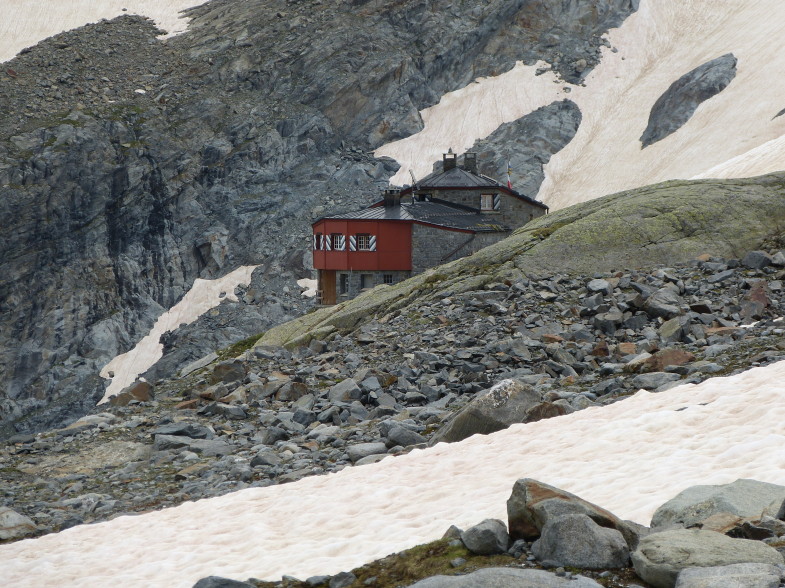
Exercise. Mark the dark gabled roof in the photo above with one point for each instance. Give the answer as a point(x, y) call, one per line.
point(438, 213)
point(458, 178)
point(457, 217)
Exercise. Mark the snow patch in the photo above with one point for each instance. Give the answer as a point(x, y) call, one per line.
point(309, 287)
point(629, 457)
point(203, 295)
point(24, 23)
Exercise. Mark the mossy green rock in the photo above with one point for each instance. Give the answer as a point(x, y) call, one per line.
point(668, 223)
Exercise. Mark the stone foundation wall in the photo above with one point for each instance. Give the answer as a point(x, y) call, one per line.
point(355, 282)
point(432, 246)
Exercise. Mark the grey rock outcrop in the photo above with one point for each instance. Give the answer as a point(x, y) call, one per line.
point(506, 578)
point(675, 107)
point(527, 144)
point(575, 540)
point(749, 499)
point(661, 556)
point(744, 575)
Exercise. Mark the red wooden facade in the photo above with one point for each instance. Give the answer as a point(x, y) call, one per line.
point(393, 245)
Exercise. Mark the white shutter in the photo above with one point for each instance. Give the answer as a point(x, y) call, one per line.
point(315, 242)
point(372, 243)
point(497, 202)
point(352, 243)
point(328, 242)
point(341, 243)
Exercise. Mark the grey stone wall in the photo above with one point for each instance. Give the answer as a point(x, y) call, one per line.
point(514, 212)
point(357, 281)
point(432, 246)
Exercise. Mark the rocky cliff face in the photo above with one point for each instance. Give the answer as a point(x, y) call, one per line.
point(129, 167)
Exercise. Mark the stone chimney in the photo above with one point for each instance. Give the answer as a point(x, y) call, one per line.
point(470, 162)
point(392, 198)
point(449, 161)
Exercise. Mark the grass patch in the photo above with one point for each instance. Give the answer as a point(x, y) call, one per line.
point(238, 348)
point(407, 567)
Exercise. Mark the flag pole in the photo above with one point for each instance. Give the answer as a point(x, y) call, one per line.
point(509, 175)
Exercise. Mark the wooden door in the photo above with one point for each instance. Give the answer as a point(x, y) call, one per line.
point(327, 286)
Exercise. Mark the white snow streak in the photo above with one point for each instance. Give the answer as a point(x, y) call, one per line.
point(203, 295)
point(26, 22)
point(628, 457)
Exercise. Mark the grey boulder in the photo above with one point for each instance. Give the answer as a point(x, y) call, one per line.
point(653, 380)
point(345, 391)
point(506, 578)
point(744, 575)
point(14, 525)
point(398, 435)
point(661, 556)
point(577, 541)
point(486, 538)
point(664, 303)
point(499, 407)
point(532, 504)
point(361, 450)
point(743, 498)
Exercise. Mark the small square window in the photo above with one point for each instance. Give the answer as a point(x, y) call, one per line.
point(363, 242)
point(486, 202)
point(344, 283)
point(337, 241)
point(387, 279)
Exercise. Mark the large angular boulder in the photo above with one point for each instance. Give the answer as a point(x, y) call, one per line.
point(577, 541)
point(664, 303)
point(744, 575)
point(661, 556)
point(532, 504)
point(495, 409)
point(506, 578)
point(486, 538)
point(747, 499)
point(345, 391)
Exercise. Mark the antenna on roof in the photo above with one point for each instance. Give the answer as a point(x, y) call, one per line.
point(414, 180)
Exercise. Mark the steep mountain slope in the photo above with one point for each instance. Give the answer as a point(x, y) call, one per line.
point(628, 456)
point(724, 120)
point(129, 166)
point(23, 24)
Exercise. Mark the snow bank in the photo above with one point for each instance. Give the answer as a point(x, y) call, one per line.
point(309, 287)
point(629, 457)
point(730, 135)
point(203, 295)
point(24, 23)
